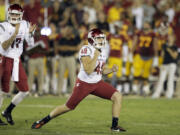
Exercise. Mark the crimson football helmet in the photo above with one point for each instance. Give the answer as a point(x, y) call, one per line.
point(96, 38)
point(15, 13)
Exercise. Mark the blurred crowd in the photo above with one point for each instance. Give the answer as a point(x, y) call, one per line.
point(53, 65)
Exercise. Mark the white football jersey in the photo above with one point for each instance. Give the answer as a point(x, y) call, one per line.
point(95, 76)
point(16, 49)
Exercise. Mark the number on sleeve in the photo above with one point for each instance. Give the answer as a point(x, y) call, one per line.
point(84, 51)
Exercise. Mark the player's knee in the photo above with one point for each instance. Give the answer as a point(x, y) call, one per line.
point(117, 97)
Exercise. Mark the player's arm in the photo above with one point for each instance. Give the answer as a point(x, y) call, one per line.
point(173, 53)
point(107, 70)
point(29, 35)
point(134, 44)
point(89, 63)
point(7, 43)
point(155, 47)
point(131, 50)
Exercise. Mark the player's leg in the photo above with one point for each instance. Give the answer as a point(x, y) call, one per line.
point(138, 67)
point(31, 76)
point(61, 68)
point(41, 75)
point(106, 91)
point(119, 85)
point(2, 123)
point(112, 76)
point(170, 84)
point(81, 90)
point(23, 92)
point(145, 76)
point(160, 84)
point(71, 65)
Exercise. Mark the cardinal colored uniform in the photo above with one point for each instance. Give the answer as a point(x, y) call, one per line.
point(11, 63)
point(90, 83)
point(115, 57)
point(145, 51)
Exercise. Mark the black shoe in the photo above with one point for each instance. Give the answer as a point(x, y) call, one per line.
point(8, 117)
point(117, 129)
point(2, 123)
point(37, 124)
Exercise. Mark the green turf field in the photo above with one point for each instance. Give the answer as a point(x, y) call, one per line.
point(140, 116)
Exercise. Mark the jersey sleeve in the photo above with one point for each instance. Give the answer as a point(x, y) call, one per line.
point(85, 51)
point(28, 37)
point(3, 35)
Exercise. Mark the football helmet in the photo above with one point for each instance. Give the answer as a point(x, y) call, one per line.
point(96, 38)
point(15, 13)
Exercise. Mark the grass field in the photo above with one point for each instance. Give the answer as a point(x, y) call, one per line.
point(140, 116)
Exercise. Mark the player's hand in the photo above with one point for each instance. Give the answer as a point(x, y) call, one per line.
point(17, 28)
point(32, 28)
point(115, 68)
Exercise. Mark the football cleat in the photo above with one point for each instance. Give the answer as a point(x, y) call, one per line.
point(2, 123)
point(8, 117)
point(118, 129)
point(37, 124)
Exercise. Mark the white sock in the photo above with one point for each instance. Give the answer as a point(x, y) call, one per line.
point(1, 98)
point(64, 88)
point(19, 97)
point(146, 89)
point(135, 88)
point(126, 88)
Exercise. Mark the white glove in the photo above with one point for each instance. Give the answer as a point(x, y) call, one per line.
point(155, 61)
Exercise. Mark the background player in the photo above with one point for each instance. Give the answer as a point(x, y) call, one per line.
point(12, 34)
point(145, 44)
point(92, 58)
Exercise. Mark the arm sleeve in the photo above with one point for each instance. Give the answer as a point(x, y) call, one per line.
point(85, 51)
point(3, 36)
point(28, 37)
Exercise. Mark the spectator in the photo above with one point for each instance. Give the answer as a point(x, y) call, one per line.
point(89, 8)
point(56, 13)
point(149, 11)
point(169, 10)
point(114, 15)
point(176, 27)
point(102, 22)
point(138, 13)
point(53, 58)
point(36, 63)
point(33, 12)
point(168, 68)
point(2, 10)
point(77, 14)
point(66, 47)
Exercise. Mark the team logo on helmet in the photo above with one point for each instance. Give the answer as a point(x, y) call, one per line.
point(96, 38)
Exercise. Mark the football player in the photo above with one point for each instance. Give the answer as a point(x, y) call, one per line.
point(116, 42)
point(92, 59)
point(145, 44)
point(12, 34)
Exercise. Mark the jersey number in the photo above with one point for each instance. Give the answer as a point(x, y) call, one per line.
point(99, 67)
point(16, 43)
point(84, 51)
point(116, 44)
point(145, 41)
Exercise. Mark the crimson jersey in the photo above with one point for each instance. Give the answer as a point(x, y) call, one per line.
point(116, 42)
point(145, 43)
